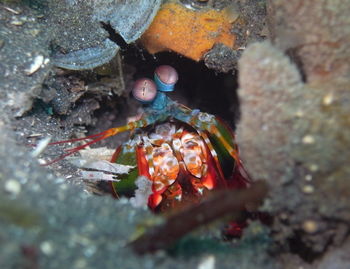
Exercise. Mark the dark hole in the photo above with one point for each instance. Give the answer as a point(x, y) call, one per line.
point(198, 87)
point(300, 248)
point(293, 56)
point(114, 36)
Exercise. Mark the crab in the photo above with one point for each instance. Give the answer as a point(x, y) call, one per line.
point(183, 153)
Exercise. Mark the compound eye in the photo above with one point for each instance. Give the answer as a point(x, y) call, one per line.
point(145, 90)
point(165, 77)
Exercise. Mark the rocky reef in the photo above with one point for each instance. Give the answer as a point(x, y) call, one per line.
point(293, 132)
point(295, 127)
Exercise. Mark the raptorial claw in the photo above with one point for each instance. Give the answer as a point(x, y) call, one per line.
point(95, 138)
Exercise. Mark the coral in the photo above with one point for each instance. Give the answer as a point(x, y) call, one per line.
point(316, 32)
point(189, 32)
point(295, 122)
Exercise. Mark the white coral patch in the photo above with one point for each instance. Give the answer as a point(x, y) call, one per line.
point(98, 170)
point(97, 176)
point(101, 153)
point(35, 65)
point(143, 191)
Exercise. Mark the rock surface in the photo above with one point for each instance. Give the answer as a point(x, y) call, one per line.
point(295, 123)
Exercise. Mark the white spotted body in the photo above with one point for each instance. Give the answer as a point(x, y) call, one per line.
point(170, 149)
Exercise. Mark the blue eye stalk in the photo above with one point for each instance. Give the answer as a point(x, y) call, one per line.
point(165, 77)
point(152, 93)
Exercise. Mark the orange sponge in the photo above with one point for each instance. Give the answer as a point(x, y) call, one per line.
point(189, 32)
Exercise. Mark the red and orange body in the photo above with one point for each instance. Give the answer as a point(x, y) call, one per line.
point(178, 162)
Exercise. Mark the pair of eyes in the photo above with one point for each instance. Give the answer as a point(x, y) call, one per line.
point(145, 90)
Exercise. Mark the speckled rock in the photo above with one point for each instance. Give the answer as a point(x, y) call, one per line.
point(24, 58)
point(291, 135)
point(316, 33)
point(337, 258)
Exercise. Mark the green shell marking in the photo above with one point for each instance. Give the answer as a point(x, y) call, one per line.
point(126, 186)
point(226, 161)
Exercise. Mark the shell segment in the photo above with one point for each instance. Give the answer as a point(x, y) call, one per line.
point(166, 167)
point(193, 154)
point(175, 158)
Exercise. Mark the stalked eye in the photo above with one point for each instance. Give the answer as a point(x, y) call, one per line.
point(144, 90)
point(165, 77)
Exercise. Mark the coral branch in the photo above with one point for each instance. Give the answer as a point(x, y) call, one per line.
point(218, 205)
